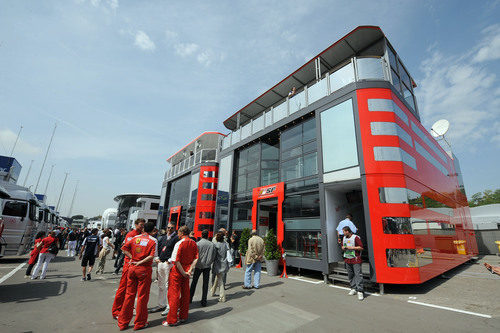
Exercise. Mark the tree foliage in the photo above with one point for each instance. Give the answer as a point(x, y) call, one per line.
point(245, 236)
point(272, 251)
point(487, 197)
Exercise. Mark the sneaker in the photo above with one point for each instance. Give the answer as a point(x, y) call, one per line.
point(155, 309)
point(245, 287)
point(114, 273)
point(141, 328)
point(84, 279)
point(165, 323)
point(360, 295)
point(165, 312)
point(27, 276)
point(89, 277)
point(352, 292)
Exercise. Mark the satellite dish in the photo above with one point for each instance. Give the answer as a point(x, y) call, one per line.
point(440, 128)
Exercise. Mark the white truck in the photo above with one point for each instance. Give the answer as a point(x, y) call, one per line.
point(20, 217)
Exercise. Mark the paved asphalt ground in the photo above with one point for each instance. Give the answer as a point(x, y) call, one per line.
point(62, 303)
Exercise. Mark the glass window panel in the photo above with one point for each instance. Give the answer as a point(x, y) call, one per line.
point(243, 157)
point(306, 244)
point(291, 137)
point(310, 205)
point(405, 78)
point(309, 130)
point(270, 165)
point(252, 180)
point(279, 112)
point(236, 136)
point(392, 59)
point(224, 179)
point(226, 142)
point(394, 154)
point(291, 169)
point(297, 102)
point(341, 77)
point(292, 153)
point(395, 81)
point(246, 131)
point(208, 155)
point(253, 153)
point(252, 167)
point(310, 164)
point(317, 91)
point(303, 224)
point(396, 225)
point(270, 152)
point(339, 137)
point(269, 118)
point(370, 68)
point(390, 128)
point(258, 124)
point(441, 228)
point(241, 183)
point(431, 143)
point(418, 226)
point(422, 151)
point(408, 96)
point(242, 211)
point(269, 177)
point(292, 206)
point(308, 147)
point(295, 186)
point(408, 257)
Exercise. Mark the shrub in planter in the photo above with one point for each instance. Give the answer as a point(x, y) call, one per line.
point(272, 253)
point(245, 236)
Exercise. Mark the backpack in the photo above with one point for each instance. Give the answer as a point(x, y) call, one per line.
point(53, 248)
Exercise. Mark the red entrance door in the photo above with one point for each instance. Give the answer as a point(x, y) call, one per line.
point(267, 192)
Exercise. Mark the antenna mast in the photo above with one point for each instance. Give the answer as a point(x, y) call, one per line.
point(15, 143)
point(45, 159)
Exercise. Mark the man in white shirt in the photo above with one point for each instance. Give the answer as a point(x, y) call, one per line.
point(347, 222)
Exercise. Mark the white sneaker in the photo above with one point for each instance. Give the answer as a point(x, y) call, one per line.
point(165, 312)
point(360, 295)
point(352, 292)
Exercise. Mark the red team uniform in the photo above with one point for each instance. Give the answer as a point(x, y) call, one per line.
point(138, 281)
point(185, 251)
point(122, 288)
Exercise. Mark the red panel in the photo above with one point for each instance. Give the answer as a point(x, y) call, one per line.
point(175, 210)
point(207, 206)
point(427, 180)
point(266, 192)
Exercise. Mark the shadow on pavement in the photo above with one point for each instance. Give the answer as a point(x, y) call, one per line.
point(63, 259)
point(426, 286)
point(31, 291)
point(196, 316)
point(273, 284)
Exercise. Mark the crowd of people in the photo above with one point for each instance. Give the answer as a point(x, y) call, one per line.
point(178, 257)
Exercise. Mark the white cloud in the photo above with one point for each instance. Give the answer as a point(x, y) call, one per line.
point(489, 47)
point(171, 35)
point(104, 4)
point(185, 49)
point(143, 41)
point(7, 139)
point(463, 91)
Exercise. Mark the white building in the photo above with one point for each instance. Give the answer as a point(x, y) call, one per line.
point(109, 218)
point(146, 208)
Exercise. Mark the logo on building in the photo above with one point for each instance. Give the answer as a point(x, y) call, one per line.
point(267, 190)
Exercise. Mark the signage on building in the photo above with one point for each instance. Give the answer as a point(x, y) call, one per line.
point(268, 191)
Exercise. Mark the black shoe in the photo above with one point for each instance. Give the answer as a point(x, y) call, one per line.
point(88, 277)
point(156, 309)
point(203, 304)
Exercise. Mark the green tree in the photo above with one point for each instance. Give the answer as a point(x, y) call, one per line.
point(245, 236)
point(487, 197)
point(272, 251)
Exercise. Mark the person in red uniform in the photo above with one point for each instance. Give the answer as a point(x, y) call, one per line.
point(140, 250)
point(34, 253)
point(45, 256)
point(122, 288)
point(184, 258)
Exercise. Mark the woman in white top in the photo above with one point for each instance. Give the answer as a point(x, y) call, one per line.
point(106, 248)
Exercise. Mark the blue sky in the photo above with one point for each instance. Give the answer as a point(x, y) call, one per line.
point(131, 82)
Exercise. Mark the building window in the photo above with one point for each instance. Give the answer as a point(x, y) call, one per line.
point(441, 228)
point(208, 197)
point(209, 174)
point(209, 186)
point(408, 257)
point(206, 215)
point(154, 206)
point(338, 137)
point(303, 243)
point(394, 154)
point(298, 151)
point(301, 205)
point(208, 227)
point(400, 195)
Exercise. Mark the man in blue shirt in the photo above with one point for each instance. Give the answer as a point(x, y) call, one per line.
point(347, 222)
point(90, 246)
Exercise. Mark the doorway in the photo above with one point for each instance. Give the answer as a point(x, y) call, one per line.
point(340, 200)
point(267, 213)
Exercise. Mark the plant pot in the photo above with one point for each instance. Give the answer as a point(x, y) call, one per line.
point(272, 267)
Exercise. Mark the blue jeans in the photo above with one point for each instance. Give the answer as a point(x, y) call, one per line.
point(256, 276)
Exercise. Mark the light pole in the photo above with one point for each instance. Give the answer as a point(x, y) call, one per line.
point(62, 189)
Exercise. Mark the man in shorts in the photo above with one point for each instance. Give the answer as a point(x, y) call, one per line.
point(90, 247)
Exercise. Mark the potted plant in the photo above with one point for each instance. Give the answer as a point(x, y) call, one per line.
point(272, 253)
point(245, 236)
